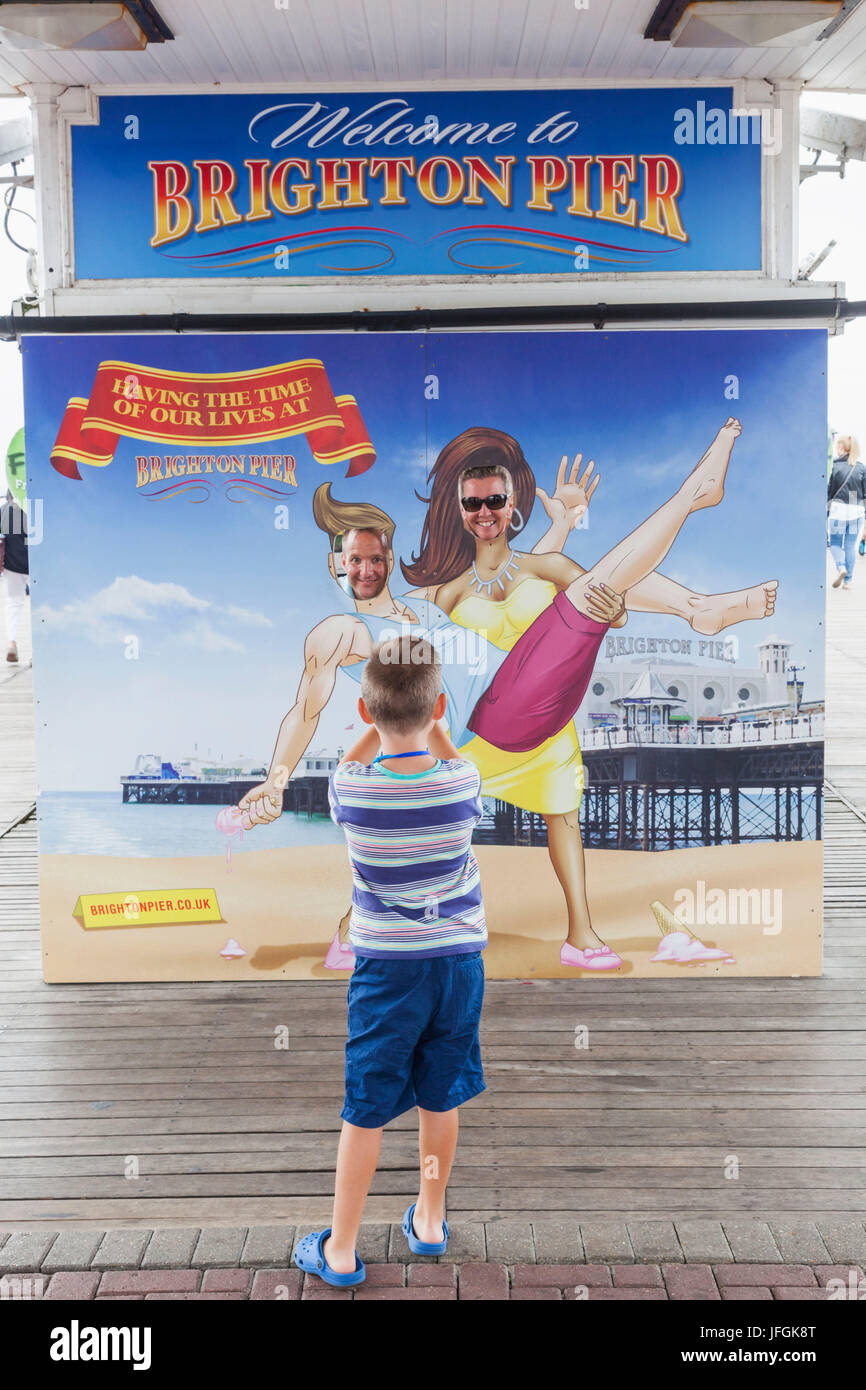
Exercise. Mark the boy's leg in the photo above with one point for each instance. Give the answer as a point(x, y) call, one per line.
point(357, 1157)
point(388, 1006)
point(437, 1143)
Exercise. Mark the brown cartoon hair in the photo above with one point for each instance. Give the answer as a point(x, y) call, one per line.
point(446, 549)
point(336, 518)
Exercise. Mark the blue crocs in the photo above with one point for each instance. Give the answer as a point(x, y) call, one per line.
point(308, 1257)
point(423, 1247)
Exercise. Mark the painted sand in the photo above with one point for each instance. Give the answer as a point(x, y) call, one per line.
point(282, 906)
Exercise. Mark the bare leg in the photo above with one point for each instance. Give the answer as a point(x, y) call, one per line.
point(437, 1144)
point(712, 612)
point(357, 1157)
point(705, 613)
point(633, 558)
point(565, 846)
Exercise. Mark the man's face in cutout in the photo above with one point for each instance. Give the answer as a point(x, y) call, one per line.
point(367, 563)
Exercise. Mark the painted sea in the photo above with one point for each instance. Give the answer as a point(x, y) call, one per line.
point(100, 823)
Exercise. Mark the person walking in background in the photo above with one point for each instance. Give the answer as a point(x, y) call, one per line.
point(14, 568)
point(14, 565)
point(846, 508)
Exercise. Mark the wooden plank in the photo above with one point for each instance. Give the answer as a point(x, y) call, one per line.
point(575, 1185)
point(464, 1204)
point(529, 1084)
point(284, 1128)
point(302, 1151)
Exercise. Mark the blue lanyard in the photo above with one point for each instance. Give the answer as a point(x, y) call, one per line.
point(416, 753)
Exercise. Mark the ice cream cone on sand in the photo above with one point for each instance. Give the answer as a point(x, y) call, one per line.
point(679, 945)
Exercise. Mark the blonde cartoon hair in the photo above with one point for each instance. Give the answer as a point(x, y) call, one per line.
point(336, 519)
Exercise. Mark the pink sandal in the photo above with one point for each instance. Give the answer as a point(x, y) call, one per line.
point(591, 958)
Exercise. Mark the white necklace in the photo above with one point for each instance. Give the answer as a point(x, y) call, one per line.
point(510, 564)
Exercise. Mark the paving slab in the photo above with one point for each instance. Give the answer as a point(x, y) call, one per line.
point(171, 1248)
point(121, 1249)
point(72, 1250)
point(751, 1241)
point(220, 1245)
point(557, 1241)
point(703, 1242)
point(25, 1250)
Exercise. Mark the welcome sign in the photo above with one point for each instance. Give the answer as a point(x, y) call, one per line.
point(554, 181)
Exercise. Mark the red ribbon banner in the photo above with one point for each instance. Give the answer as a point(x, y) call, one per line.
point(218, 408)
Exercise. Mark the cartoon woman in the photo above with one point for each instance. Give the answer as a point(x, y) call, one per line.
point(514, 710)
point(468, 568)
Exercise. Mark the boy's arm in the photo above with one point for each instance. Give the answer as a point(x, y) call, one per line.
point(364, 749)
point(440, 744)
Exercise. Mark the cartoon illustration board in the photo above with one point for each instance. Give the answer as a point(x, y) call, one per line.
point(540, 615)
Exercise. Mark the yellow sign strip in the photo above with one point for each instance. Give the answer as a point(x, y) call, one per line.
point(147, 907)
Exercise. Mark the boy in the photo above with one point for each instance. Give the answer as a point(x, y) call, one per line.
point(417, 930)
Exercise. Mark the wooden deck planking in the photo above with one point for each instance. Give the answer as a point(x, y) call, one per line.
point(679, 1074)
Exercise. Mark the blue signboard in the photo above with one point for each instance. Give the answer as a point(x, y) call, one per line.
point(435, 183)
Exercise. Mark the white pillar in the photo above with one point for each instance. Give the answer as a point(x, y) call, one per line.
point(48, 164)
point(782, 185)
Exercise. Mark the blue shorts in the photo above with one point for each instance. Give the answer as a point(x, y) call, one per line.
point(413, 1036)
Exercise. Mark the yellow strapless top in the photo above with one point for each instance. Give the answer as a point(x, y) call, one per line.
point(505, 620)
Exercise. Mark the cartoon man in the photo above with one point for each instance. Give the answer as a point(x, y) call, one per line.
point(360, 561)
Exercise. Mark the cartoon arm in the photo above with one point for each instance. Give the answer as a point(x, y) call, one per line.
point(328, 647)
point(570, 500)
point(605, 604)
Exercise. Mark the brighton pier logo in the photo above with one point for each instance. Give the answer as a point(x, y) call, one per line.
point(208, 410)
point(725, 650)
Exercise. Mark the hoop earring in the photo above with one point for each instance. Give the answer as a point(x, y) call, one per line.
point(522, 522)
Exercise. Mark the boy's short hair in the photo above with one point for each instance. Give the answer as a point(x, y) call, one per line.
point(401, 683)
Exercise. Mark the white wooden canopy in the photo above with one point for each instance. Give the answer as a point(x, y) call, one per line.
point(469, 41)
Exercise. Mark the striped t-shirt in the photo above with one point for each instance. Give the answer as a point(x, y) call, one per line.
point(416, 888)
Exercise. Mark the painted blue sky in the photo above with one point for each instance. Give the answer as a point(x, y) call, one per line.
point(220, 599)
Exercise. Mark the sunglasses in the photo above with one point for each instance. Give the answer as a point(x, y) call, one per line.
point(496, 501)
